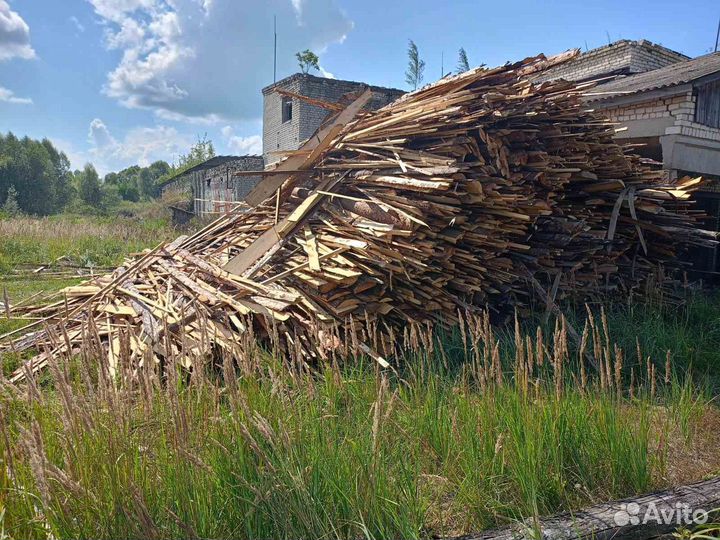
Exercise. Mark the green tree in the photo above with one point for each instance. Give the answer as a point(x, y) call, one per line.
point(61, 168)
point(463, 64)
point(200, 152)
point(109, 196)
point(11, 207)
point(112, 179)
point(146, 184)
point(127, 192)
point(135, 182)
point(89, 187)
point(416, 67)
point(39, 173)
point(307, 59)
point(160, 168)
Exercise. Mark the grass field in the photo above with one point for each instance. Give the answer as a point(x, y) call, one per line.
point(475, 428)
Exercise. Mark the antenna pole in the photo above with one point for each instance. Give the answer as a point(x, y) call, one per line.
point(717, 37)
point(275, 49)
point(442, 64)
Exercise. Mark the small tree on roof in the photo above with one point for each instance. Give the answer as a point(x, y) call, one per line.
point(307, 59)
point(416, 67)
point(463, 64)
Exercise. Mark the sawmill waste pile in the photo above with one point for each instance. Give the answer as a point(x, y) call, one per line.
point(482, 189)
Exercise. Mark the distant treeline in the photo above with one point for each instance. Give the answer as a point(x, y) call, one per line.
point(36, 178)
point(35, 173)
point(135, 183)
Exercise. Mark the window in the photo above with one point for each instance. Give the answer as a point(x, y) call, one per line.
point(286, 109)
point(707, 106)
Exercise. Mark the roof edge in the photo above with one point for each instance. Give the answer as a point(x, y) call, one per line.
point(298, 76)
point(631, 43)
point(225, 159)
point(624, 87)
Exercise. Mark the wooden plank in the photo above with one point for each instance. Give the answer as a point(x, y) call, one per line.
point(311, 249)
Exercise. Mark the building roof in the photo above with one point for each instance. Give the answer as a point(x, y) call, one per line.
point(672, 75)
point(326, 80)
point(620, 57)
point(209, 164)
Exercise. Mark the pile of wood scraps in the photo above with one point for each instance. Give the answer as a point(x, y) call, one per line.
point(470, 192)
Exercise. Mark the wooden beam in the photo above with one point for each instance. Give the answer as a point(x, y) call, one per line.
point(312, 101)
point(245, 263)
point(611, 521)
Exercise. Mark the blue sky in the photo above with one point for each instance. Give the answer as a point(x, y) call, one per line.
point(118, 82)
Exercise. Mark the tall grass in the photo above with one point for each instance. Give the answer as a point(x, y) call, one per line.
point(82, 240)
point(690, 332)
point(467, 433)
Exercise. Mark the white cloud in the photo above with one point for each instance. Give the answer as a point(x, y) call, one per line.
point(242, 145)
point(8, 96)
point(77, 24)
point(99, 135)
point(14, 35)
point(141, 145)
point(326, 73)
point(206, 60)
point(77, 158)
point(116, 10)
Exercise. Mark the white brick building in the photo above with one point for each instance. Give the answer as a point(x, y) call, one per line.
point(288, 121)
point(673, 111)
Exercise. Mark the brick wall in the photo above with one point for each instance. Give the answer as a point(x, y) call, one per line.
point(681, 108)
point(332, 90)
point(215, 187)
point(623, 56)
point(306, 118)
point(276, 134)
point(646, 110)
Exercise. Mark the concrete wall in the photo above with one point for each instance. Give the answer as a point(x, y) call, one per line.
point(623, 56)
point(212, 189)
point(306, 118)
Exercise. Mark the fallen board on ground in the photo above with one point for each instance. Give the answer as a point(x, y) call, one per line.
point(667, 511)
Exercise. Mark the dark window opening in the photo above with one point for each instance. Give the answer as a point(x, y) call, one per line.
point(286, 109)
point(707, 105)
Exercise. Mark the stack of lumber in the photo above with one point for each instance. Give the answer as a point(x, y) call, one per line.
point(478, 190)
